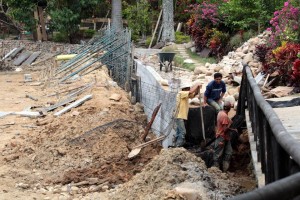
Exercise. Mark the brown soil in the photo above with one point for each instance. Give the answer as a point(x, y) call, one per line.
point(92, 140)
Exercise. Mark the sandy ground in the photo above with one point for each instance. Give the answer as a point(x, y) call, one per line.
point(38, 152)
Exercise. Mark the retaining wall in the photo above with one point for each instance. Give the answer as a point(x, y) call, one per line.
point(152, 94)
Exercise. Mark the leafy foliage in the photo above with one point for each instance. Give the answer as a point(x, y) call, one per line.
point(282, 60)
point(60, 37)
point(285, 25)
point(296, 72)
point(138, 17)
point(89, 33)
point(180, 38)
point(65, 21)
point(205, 28)
point(244, 14)
point(22, 11)
point(261, 51)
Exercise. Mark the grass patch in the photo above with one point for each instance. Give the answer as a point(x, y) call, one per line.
point(178, 60)
point(180, 38)
point(199, 59)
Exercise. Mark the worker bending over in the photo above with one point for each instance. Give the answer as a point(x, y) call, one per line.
point(182, 108)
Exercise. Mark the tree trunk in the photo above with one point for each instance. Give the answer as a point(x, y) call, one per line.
point(116, 15)
point(168, 34)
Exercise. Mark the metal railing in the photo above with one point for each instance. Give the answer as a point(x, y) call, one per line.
point(278, 151)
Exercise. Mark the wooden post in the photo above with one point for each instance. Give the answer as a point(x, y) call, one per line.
point(95, 25)
point(155, 29)
point(179, 26)
point(42, 22)
point(38, 30)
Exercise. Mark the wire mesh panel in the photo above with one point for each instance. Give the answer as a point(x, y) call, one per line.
point(118, 56)
point(151, 95)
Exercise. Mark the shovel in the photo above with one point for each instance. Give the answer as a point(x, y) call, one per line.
point(136, 150)
point(202, 122)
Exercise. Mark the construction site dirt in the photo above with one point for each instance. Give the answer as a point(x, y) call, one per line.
point(83, 153)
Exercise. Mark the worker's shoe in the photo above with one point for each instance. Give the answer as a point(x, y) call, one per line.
point(225, 166)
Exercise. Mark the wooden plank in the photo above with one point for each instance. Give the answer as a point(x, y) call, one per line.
point(18, 50)
point(32, 58)
point(102, 20)
point(73, 105)
point(22, 58)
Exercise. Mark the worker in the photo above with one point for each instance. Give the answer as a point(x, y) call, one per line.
point(222, 145)
point(182, 108)
point(214, 92)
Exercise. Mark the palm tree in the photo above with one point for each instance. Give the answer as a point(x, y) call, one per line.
point(116, 15)
point(168, 34)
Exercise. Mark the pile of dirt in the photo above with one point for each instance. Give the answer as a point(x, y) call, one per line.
point(91, 141)
point(175, 174)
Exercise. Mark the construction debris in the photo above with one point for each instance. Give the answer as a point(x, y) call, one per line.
point(115, 97)
point(73, 105)
point(31, 97)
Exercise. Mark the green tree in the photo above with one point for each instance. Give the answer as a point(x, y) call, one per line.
point(138, 17)
point(22, 11)
point(244, 14)
point(66, 15)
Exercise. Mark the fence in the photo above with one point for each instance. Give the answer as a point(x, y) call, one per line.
point(150, 93)
point(278, 151)
point(118, 56)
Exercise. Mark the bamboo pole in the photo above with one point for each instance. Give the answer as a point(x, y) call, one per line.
point(155, 29)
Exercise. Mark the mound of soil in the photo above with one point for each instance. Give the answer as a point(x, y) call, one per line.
point(90, 141)
point(175, 174)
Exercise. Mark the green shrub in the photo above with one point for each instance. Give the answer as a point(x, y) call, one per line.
point(60, 37)
point(180, 38)
point(135, 37)
point(88, 33)
point(170, 48)
point(248, 34)
point(148, 40)
point(235, 41)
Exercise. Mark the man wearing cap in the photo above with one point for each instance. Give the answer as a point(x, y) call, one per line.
point(182, 108)
point(214, 92)
point(222, 146)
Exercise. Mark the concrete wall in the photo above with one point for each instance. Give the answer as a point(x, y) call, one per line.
point(152, 94)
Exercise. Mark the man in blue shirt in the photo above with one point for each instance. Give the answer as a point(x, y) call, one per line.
point(214, 93)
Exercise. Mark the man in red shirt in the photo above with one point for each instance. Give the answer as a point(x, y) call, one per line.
point(222, 145)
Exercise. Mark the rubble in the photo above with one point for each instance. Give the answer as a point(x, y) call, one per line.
point(166, 176)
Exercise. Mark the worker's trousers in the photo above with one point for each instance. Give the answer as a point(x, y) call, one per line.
point(217, 105)
point(180, 133)
point(222, 150)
